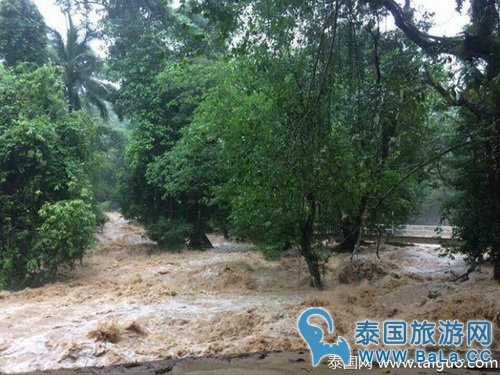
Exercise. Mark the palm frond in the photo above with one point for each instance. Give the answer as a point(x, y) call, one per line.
point(60, 47)
point(81, 66)
point(100, 104)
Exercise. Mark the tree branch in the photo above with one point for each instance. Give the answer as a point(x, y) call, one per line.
point(450, 101)
point(457, 46)
point(419, 167)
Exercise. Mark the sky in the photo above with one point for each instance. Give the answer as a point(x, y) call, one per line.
point(52, 14)
point(447, 21)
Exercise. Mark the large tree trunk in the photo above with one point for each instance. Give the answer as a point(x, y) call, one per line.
point(198, 240)
point(306, 248)
point(496, 227)
point(315, 274)
point(495, 189)
point(496, 269)
point(352, 233)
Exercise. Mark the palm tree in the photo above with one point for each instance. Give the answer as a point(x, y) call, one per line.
point(81, 66)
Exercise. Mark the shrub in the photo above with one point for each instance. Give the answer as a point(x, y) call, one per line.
point(65, 232)
point(47, 212)
point(169, 233)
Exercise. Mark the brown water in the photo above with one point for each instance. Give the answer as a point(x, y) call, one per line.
point(130, 302)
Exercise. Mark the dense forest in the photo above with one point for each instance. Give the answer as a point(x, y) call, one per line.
point(279, 122)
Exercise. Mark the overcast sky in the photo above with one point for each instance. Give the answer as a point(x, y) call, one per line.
point(447, 21)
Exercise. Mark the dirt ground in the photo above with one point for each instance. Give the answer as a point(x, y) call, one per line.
point(130, 302)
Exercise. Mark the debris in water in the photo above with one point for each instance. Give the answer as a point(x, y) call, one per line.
point(106, 331)
point(359, 270)
point(135, 327)
point(228, 300)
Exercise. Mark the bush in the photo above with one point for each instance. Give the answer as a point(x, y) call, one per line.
point(47, 211)
point(65, 232)
point(169, 233)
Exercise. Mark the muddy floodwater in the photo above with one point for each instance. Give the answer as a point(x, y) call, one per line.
point(131, 302)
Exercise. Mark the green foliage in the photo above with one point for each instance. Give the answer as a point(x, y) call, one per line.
point(84, 88)
point(29, 94)
point(245, 158)
point(22, 33)
point(108, 154)
point(473, 169)
point(169, 233)
point(146, 190)
point(315, 122)
point(45, 160)
point(470, 207)
point(162, 58)
point(295, 143)
point(139, 31)
point(64, 227)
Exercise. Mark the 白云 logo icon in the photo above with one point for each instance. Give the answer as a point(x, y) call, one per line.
point(313, 336)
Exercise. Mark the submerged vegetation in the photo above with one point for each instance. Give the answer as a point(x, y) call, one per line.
point(279, 122)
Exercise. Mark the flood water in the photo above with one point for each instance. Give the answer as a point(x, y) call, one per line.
point(131, 302)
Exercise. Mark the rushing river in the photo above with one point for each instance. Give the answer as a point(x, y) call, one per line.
point(130, 302)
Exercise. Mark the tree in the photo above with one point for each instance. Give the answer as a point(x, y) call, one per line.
point(83, 87)
point(273, 182)
point(308, 131)
point(477, 212)
point(156, 56)
point(179, 89)
point(23, 34)
point(109, 152)
point(139, 50)
point(47, 211)
point(387, 131)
